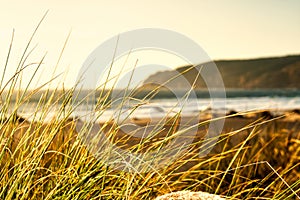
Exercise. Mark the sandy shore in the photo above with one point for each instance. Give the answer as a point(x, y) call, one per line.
point(65, 135)
point(239, 125)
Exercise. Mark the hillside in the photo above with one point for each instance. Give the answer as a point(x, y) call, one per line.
point(262, 73)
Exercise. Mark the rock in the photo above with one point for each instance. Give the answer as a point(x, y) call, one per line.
point(188, 195)
point(233, 113)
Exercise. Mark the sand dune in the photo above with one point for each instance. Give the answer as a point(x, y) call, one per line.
point(57, 136)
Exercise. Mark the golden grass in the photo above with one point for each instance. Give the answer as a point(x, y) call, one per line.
point(256, 159)
point(41, 160)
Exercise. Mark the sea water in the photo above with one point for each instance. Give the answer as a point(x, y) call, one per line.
point(159, 106)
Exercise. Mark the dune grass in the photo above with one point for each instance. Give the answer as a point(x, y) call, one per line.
point(48, 160)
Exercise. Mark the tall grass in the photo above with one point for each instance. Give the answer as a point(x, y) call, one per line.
point(49, 160)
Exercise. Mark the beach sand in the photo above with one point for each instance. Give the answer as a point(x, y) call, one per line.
point(65, 134)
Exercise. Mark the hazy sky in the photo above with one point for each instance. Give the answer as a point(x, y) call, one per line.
point(225, 28)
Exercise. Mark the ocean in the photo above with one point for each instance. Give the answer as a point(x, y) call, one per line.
point(236, 100)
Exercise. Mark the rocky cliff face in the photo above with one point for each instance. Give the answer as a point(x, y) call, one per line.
point(264, 73)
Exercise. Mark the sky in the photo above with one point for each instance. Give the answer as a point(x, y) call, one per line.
point(225, 29)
